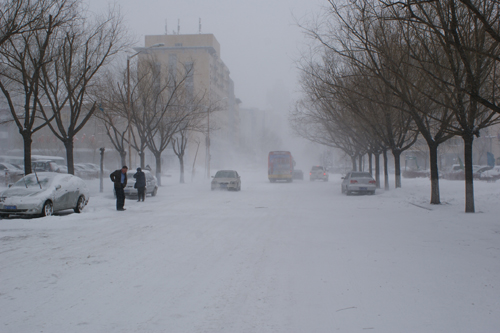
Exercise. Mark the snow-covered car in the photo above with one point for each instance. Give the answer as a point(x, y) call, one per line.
point(318, 172)
point(86, 172)
point(226, 180)
point(43, 194)
point(10, 173)
point(151, 184)
point(359, 182)
point(45, 166)
point(491, 175)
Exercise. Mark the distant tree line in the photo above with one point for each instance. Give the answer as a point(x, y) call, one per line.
point(381, 73)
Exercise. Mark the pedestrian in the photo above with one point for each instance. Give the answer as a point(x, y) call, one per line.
point(119, 178)
point(140, 184)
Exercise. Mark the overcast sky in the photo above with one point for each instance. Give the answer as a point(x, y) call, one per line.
point(259, 38)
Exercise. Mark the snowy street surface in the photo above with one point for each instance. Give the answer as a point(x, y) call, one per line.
point(297, 257)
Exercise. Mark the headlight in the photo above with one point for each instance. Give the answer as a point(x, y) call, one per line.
point(2, 199)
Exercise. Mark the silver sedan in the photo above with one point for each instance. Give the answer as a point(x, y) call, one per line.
point(358, 182)
point(43, 194)
point(226, 180)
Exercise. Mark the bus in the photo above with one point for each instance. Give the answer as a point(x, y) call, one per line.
point(280, 166)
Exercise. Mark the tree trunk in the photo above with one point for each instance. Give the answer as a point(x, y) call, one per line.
point(142, 157)
point(360, 161)
point(397, 167)
point(469, 184)
point(27, 140)
point(377, 169)
point(433, 155)
point(353, 161)
point(68, 144)
point(181, 162)
point(158, 167)
point(370, 163)
point(123, 157)
point(386, 170)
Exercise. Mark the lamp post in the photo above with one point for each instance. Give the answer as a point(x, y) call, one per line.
point(128, 100)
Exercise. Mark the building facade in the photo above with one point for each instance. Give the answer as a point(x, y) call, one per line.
point(210, 78)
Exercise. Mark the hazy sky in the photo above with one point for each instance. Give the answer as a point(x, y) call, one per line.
point(259, 38)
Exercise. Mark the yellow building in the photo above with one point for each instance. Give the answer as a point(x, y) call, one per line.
point(210, 79)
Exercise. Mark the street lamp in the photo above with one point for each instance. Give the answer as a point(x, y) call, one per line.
point(128, 99)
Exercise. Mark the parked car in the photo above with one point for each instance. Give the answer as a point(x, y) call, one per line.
point(477, 170)
point(85, 172)
point(45, 166)
point(491, 175)
point(318, 172)
point(226, 180)
point(151, 184)
point(43, 194)
point(10, 173)
point(359, 182)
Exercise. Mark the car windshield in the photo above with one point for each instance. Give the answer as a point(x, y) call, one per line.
point(225, 174)
point(31, 181)
point(314, 168)
point(361, 175)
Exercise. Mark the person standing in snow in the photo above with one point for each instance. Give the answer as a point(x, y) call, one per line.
point(140, 184)
point(119, 178)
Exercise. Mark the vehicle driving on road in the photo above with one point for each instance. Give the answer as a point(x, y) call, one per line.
point(280, 166)
point(318, 172)
point(226, 180)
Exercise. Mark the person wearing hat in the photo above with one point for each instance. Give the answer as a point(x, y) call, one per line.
point(140, 184)
point(119, 178)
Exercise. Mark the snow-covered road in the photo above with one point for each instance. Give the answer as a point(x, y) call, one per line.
point(296, 257)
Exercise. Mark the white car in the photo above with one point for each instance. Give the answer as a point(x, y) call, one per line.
point(318, 172)
point(151, 184)
point(491, 175)
point(226, 180)
point(10, 173)
point(359, 182)
point(43, 194)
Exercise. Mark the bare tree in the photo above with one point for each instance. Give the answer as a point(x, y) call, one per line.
point(23, 55)
point(458, 58)
point(24, 16)
point(84, 48)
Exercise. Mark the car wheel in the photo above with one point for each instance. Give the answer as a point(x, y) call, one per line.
point(155, 191)
point(80, 204)
point(48, 209)
point(347, 192)
point(372, 192)
point(239, 187)
point(4, 216)
point(342, 189)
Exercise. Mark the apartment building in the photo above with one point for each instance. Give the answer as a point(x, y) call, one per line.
point(210, 78)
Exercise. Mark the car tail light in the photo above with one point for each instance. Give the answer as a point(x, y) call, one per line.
point(354, 181)
point(324, 174)
point(372, 182)
point(310, 173)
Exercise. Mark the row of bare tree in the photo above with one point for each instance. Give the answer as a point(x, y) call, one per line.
point(52, 53)
point(383, 72)
point(152, 107)
point(55, 71)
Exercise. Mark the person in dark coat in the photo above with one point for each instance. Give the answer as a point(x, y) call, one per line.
point(140, 184)
point(119, 178)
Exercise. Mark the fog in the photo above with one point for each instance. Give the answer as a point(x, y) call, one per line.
point(260, 44)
